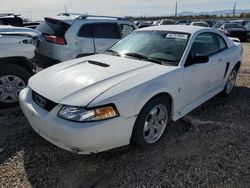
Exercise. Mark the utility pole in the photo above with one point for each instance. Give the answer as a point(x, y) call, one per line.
point(176, 6)
point(234, 8)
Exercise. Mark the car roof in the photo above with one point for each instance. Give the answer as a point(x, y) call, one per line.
point(8, 15)
point(178, 28)
point(71, 17)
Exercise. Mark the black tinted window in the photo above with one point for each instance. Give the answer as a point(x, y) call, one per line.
point(106, 30)
point(16, 21)
point(221, 42)
point(205, 44)
point(53, 27)
point(86, 31)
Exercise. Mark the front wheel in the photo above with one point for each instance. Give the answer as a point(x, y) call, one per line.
point(151, 122)
point(230, 83)
point(13, 79)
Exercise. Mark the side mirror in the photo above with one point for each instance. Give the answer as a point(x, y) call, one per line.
point(198, 59)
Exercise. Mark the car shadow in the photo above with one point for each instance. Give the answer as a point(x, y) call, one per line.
point(48, 166)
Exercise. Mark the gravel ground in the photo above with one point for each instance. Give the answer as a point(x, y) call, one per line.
point(213, 154)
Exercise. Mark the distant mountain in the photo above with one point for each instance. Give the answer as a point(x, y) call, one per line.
point(217, 12)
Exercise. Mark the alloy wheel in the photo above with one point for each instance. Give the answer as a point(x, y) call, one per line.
point(155, 123)
point(10, 87)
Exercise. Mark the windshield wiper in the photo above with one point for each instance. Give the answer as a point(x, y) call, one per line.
point(113, 52)
point(139, 56)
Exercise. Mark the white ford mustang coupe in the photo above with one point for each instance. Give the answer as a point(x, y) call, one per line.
point(131, 93)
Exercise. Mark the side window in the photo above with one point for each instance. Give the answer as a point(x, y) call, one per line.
point(221, 42)
point(86, 31)
point(106, 30)
point(126, 29)
point(205, 44)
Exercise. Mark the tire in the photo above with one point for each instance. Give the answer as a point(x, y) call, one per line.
point(13, 79)
point(230, 83)
point(146, 123)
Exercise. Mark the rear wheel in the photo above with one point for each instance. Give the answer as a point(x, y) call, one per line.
point(151, 122)
point(230, 83)
point(13, 79)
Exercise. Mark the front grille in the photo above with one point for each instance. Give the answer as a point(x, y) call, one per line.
point(43, 102)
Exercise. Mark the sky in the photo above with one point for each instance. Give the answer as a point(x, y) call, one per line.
point(37, 9)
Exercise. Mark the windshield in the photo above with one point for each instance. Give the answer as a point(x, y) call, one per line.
point(163, 46)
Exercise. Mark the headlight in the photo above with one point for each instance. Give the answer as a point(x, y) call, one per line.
point(81, 114)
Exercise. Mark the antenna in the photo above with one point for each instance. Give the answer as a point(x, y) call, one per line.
point(65, 6)
point(234, 8)
point(176, 6)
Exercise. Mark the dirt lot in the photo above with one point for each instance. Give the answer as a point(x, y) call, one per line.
point(209, 155)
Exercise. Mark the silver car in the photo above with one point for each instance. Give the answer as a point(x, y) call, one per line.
point(68, 36)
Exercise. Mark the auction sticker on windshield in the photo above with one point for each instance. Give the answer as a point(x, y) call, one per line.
point(176, 36)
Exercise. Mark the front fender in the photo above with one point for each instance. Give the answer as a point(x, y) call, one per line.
point(130, 102)
point(132, 94)
point(151, 91)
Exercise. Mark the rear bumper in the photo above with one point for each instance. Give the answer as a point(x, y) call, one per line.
point(44, 61)
point(81, 138)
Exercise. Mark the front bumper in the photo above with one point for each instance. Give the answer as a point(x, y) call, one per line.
point(82, 138)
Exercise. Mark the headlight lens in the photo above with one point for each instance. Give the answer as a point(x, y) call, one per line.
point(81, 114)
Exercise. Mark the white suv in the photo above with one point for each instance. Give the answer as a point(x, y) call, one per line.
point(68, 36)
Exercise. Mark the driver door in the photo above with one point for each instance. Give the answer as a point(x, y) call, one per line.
point(202, 81)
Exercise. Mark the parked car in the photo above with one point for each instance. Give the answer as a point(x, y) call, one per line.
point(11, 19)
point(143, 24)
point(68, 36)
point(234, 30)
point(247, 26)
point(217, 26)
point(132, 92)
point(210, 22)
point(241, 22)
point(183, 22)
point(200, 23)
point(17, 46)
point(16, 20)
point(167, 22)
point(156, 23)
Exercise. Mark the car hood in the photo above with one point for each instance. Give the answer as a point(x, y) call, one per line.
point(79, 81)
point(9, 30)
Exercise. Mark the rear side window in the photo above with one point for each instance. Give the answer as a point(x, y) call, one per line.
point(205, 44)
point(126, 29)
point(53, 27)
point(221, 42)
point(100, 30)
point(86, 31)
point(106, 30)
